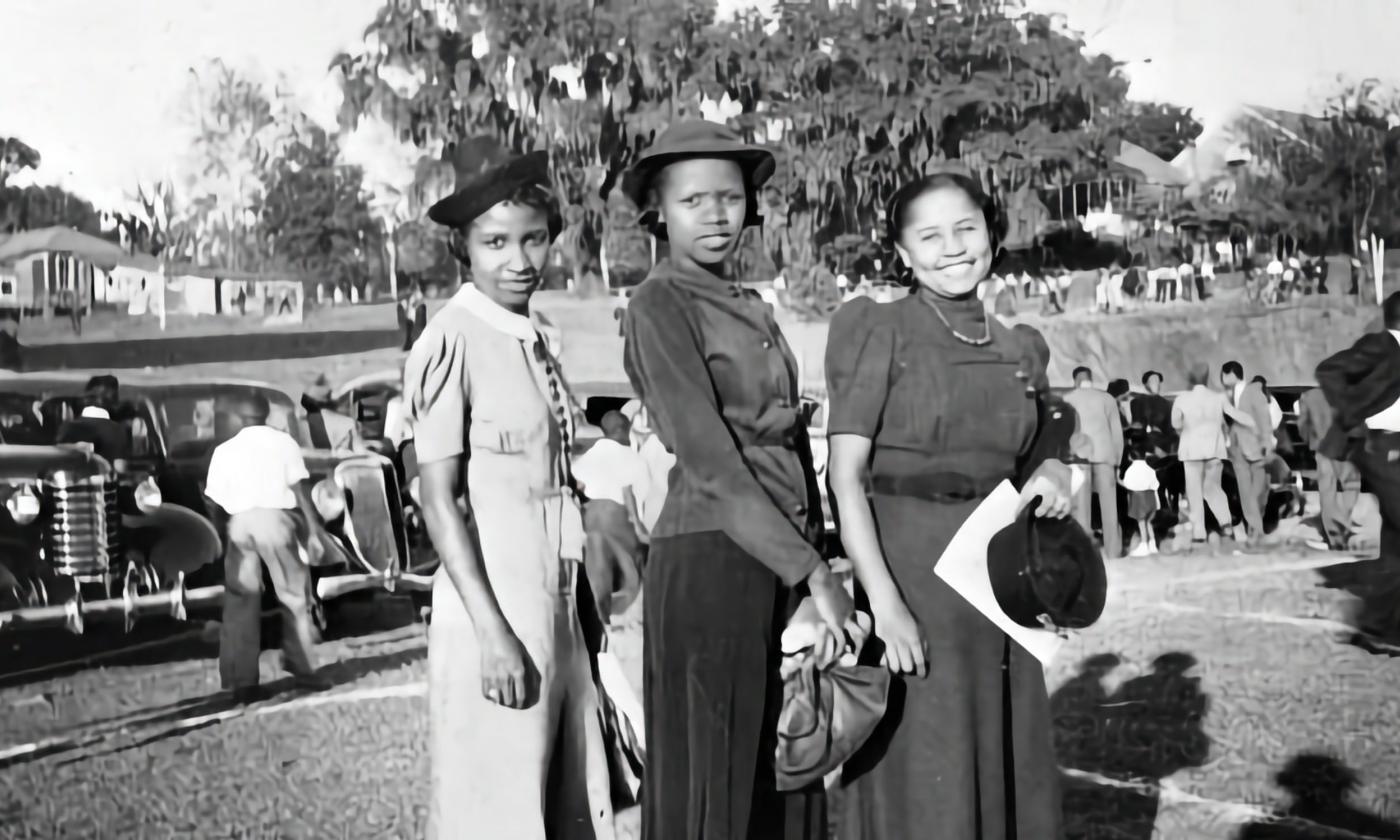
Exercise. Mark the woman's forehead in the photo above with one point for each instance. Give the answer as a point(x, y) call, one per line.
point(509, 217)
point(695, 174)
point(941, 205)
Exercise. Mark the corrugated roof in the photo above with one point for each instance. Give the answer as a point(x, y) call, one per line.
point(97, 251)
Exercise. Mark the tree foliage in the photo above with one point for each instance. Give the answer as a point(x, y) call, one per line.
point(16, 155)
point(1329, 180)
point(855, 98)
point(33, 207)
point(1161, 128)
point(314, 217)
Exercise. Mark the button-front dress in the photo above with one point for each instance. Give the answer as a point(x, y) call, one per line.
point(736, 533)
point(966, 752)
point(483, 387)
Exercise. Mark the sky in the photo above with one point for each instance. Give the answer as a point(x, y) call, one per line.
point(94, 85)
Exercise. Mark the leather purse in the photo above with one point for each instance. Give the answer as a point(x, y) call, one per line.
point(826, 715)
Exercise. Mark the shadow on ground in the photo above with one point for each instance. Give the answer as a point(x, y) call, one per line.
point(1149, 728)
point(32, 656)
point(1320, 787)
point(151, 726)
point(1376, 587)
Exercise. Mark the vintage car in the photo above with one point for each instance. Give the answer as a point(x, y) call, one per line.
point(172, 420)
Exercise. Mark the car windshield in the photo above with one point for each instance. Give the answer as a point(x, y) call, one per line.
point(187, 413)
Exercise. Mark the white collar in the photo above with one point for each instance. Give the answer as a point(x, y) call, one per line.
point(1395, 334)
point(513, 324)
point(92, 412)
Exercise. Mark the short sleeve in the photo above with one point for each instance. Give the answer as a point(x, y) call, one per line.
point(435, 394)
point(294, 463)
point(859, 361)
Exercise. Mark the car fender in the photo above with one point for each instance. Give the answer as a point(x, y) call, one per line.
point(174, 539)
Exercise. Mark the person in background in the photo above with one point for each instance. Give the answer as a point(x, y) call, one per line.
point(1152, 413)
point(1362, 384)
point(1275, 410)
point(1101, 423)
point(329, 429)
point(1122, 394)
point(659, 462)
point(610, 474)
point(1199, 417)
point(1186, 278)
point(109, 438)
point(1140, 481)
point(1117, 274)
point(1338, 480)
point(1250, 446)
point(257, 478)
point(1205, 281)
point(11, 351)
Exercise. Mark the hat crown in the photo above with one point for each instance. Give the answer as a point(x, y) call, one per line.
point(697, 131)
point(474, 156)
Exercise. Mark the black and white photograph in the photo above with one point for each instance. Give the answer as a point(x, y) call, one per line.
point(700, 419)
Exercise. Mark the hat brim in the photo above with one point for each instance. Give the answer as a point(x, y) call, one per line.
point(757, 163)
point(484, 191)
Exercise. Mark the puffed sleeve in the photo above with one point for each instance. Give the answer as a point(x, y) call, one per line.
point(436, 392)
point(859, 361)
point(664, 361)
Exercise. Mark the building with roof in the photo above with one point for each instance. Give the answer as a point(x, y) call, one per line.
point(61, 268)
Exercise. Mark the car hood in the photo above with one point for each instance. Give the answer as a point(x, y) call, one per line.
point(32, 461)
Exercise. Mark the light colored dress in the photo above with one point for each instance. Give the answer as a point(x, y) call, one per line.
point(477, 387)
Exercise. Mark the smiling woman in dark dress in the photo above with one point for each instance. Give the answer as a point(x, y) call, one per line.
point(934, 403)
point(736, 534)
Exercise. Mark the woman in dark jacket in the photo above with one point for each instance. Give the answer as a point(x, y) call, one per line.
point(738, 530)
point(933, 404)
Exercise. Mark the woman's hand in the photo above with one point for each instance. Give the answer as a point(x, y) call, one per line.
point(906, 649)
point(834, 607)
point(508, 677)
point(1051, 482)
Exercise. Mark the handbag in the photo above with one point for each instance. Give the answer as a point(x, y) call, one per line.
point(827, 715)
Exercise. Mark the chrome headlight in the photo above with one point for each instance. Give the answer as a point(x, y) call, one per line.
point(148, 498)
point(23, 505)
point(329, 499)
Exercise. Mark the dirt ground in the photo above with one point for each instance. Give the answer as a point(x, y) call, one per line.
point(1205, 676)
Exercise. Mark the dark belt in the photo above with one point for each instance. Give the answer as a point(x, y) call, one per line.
point(936, 487)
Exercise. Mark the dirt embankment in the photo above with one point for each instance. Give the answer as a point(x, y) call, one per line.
point(1283, 343)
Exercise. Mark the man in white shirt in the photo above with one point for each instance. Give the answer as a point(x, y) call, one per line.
point(1186, 279)
point(256, 478)
point(609, 474)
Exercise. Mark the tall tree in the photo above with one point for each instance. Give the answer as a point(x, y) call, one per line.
point(859, 96)
point(224, 173)
point(314, 216)
point(29, 208)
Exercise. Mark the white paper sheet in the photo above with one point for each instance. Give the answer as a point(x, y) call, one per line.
point(963, 566)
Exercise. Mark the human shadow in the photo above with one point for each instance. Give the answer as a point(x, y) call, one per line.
point(1131, 739)
point(1319, 787)
point(151, 726)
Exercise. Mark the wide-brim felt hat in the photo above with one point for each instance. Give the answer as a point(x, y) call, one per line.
point(486, 174)
point(1047, 571)
point(691, 139)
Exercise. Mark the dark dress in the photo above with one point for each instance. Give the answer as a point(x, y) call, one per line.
point(734, 537)
point(966, 752)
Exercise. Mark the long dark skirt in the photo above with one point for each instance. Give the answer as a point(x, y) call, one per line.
point(967, 752)
point(712, 624)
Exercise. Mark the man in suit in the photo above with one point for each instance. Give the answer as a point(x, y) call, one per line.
point(109, 438)
point(1249, 447)
point(1362, 384)
point(1101, 450)
point(1153, 412)
point(1338, 480)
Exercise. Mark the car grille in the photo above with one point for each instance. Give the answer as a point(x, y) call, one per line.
point(84, 533)
point(375, 514)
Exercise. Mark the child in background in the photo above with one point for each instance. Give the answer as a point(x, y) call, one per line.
point(1140, 480)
